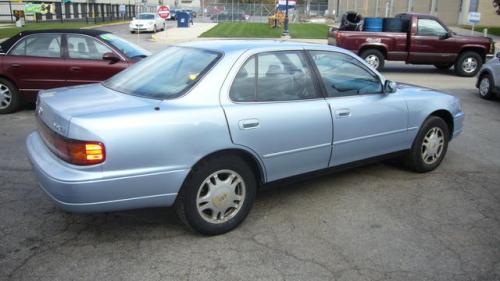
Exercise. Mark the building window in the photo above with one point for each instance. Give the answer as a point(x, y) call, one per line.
point(474, 5)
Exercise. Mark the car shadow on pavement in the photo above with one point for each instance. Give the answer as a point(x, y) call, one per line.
point(417, 70)
point(162, 223)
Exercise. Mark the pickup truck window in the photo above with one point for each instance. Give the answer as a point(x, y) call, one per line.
point(343, 75)
point(429, 27)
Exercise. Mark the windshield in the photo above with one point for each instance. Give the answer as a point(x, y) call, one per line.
point(128, 48)
point(146, 17)
point(166, 75)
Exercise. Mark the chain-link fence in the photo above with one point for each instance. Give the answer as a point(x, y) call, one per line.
point(64, 12)
point(447, 10)
point(259, 12)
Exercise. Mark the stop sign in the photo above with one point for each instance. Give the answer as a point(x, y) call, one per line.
point(164, 12)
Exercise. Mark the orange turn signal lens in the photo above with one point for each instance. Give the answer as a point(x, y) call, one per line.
point(73, 151)
point(94, 151)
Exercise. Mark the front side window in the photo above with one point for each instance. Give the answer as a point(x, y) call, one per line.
point(85, 47)
point(343, 75)
point(39, 45)
point(428, 27)
point(279, 76)
point(166, 75)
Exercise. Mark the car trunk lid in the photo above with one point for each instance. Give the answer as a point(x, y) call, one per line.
point(56, 108)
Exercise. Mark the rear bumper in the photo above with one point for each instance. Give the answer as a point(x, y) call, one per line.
point(458, 124)
point(141, 29)
point(78, 190)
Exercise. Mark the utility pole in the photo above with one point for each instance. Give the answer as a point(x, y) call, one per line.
point(433, 7)
point(338, 10)
point(285, 32)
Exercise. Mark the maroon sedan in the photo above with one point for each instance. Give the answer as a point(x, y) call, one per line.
point(43, 59)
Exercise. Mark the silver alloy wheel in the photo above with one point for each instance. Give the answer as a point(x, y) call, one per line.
point(373, 61)
point(432, 146)
point(484, 86)
point(469, 65)
point(5, 96)
point(221, 196)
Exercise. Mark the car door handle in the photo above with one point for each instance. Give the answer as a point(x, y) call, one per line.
point(75, 68)
point(343, 113)
point(248, 124)
point(15, 65)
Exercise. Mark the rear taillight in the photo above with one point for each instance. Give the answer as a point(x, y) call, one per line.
point(76, 152)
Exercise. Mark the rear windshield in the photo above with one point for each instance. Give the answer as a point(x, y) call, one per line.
point(146, 17)
point(166, 75)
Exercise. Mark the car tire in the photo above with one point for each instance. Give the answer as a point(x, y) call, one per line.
point(10, 100)
point(210, 205)
point(429, 147)
point(443, 66)
point(486, 87)
point(468, 64)
point(374, 58)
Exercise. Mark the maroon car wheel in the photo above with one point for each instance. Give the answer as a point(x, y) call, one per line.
point(9, 97)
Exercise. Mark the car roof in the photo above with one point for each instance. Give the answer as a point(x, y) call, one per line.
point(5, 46)
point(238, 45)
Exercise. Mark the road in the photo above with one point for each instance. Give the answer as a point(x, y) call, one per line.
point(377, 222)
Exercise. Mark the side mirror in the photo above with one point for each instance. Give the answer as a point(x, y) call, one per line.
point(390, 87)
point(111, 57)
point(445, 36)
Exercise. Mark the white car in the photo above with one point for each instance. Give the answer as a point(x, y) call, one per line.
point(147, 22)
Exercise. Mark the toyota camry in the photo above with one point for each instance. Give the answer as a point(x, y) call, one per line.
point(202, 125)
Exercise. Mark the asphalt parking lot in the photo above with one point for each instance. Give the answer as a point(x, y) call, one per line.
point(377, 222)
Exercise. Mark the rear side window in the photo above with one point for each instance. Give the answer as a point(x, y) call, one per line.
point(39, 45)
point(244, 87)
point(274, 76)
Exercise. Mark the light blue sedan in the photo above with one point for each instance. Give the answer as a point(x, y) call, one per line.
point(202, 125)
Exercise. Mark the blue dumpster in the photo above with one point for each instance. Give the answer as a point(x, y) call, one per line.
point(183, 18)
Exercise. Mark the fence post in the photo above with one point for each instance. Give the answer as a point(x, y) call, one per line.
point(61, 12)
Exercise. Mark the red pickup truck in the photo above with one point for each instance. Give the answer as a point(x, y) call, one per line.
point(424, 39)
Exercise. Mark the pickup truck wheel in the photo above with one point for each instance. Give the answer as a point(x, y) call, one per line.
point(485, 86)
point(429, 147)
point(9, 97)
point(468, 64)
point(217, 195)
point(374, 58)
point(443, 66)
